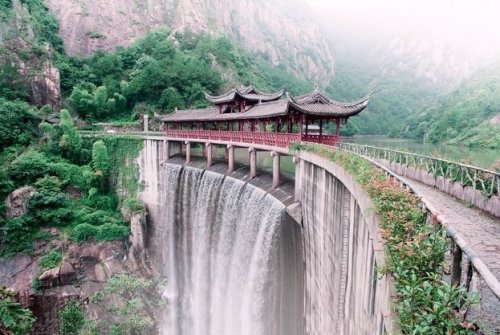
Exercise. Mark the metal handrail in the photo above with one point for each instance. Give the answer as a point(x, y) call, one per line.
point(487, 181)
point(480, 267)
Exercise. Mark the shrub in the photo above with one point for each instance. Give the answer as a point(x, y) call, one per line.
point(13, 316)
point(125, 292)
point(50, 260)
point(105, 202)
point(51, 209)
point(83, 232)
point(111, 232)
point(48, 184)
point(19, 236)
point(71, 318)
point(133, 205)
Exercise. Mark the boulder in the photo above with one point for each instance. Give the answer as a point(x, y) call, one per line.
point(50, 278)
point(16, 203)
point(67, 274)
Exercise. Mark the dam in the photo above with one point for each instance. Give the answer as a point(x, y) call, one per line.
point(237, 262)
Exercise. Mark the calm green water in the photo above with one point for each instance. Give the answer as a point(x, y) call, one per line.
point(474, 156)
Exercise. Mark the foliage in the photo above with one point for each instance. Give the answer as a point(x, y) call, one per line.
point(45, 25)
point(17, 121)
point(122, 297)
point(71, 140)
point(124, 171)
point(72, 318)
point(111, 232)
point(426, 304)
point(83, 232)
point(100, 159)
point(48, 184)
point(19, 236)
point(50, 209)
point(13, 317)
point(52, 259)
point(133, 205)
point(462, 117)
point(32, 165)
point(395, 98)
point(12, 85)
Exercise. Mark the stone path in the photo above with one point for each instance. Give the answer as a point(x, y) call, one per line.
point(480, 230)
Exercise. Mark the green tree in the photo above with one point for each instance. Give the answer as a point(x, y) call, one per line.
point(100, 101)
point(100, 162)
point(125, 292)
point(17, 123)
point(71, 318)
point(82, 99)
point(71, 140)
point(12, 85)
point(13, 317)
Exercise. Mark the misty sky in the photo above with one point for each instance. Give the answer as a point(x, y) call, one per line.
point(472, 25)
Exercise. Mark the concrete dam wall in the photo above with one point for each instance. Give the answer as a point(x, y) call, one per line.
point(236, 263)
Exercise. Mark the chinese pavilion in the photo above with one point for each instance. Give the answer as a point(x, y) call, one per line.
point(247, 115)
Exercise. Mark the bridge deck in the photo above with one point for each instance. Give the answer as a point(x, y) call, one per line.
point(479, 229)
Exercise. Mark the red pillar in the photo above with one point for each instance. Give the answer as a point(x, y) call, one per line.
point(301, 124)
point(321, 131)
point(337, 132)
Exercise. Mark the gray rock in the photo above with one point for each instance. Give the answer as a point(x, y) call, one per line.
point(16, 203)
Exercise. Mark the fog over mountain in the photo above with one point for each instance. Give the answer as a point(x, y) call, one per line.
point(443, 41)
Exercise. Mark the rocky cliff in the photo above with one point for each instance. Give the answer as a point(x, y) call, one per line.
point(33, 58)
point(278, 31)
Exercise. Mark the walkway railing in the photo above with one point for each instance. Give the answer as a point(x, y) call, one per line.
point(486, 181)
point(460, 246)
point(283, 140)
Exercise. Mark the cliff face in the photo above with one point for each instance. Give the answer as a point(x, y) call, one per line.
point(271, 29)
point(33, 61)
point(429, 60)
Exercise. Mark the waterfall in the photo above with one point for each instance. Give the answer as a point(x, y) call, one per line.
point(236, 264)
point(230, 254)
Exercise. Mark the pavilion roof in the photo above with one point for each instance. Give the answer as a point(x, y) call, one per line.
point(249, 93)
point(314, 104)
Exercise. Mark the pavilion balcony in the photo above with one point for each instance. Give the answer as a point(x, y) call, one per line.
point(282, 140)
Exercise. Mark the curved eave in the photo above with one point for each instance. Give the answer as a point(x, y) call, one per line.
point(247, 93)
point(261, 111)
point(333, 108)
point(220, 99)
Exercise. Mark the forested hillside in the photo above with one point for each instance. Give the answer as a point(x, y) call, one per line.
point(394, 98)
point(469, 115)
point(62, 186)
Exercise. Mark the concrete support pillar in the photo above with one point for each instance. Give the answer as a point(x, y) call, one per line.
point(166, 149)
point(253, 162)
point(456, 265)
point(188, 152)
point(146, 122)
point(276, 168)
point(230, 158)
point(298, 177)
point(208, 148)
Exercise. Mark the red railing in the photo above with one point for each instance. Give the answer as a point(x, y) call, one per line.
point(283, 140)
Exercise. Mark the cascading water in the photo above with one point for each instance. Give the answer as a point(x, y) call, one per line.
point(231, 256)
point(237, 264)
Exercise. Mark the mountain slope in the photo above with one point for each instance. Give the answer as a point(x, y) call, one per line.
point(269, 29)
point(469, 115)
